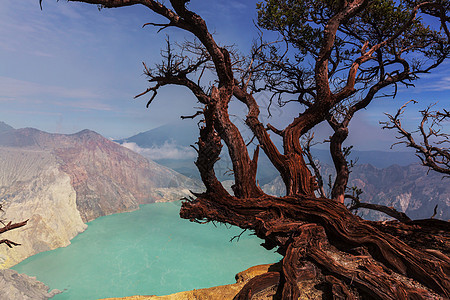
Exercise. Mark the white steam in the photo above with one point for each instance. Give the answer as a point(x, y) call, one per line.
point(169, 150)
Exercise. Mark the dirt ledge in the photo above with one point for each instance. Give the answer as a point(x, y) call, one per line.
point(223, 292)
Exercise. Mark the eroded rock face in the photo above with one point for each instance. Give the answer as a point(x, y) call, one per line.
point(409, 189)
point(59, 182)
point(33, 187)
point(106, 177)
point(15, 286)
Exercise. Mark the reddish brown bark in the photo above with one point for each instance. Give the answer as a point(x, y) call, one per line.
point(340, 163)
point(291, 165)
point(258, 284)
point(325, 233)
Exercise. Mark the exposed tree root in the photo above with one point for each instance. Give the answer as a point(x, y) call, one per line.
point(430, 235)
point(321, 238)
point(258, 284)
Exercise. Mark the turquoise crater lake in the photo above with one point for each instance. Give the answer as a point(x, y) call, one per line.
point(150, 251)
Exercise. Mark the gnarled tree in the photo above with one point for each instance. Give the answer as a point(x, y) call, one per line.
point(355, 49)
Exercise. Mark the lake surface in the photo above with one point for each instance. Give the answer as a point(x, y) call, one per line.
point(151, 251)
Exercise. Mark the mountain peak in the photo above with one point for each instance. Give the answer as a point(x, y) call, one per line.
point(5, 127)
point(87, 133)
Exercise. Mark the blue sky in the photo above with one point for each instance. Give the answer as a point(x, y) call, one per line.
point(71, 67)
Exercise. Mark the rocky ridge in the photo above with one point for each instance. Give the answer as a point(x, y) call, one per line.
point(408, 189)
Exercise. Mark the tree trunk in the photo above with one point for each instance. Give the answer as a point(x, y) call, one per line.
point(340, 164)
point(321, 238)
point(296, 176)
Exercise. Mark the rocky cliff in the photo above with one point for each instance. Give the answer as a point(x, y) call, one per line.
point(409, 189)
point(59, 182)
point(33, 187)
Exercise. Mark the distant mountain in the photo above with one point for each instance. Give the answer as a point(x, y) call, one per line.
point(60, 182)
point(407, 188)
point(379, 159)
point(5, 127)
point(169, 145)
point(183, 133)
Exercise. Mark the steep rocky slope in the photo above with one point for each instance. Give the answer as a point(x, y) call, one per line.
point(409, 189)
point(33, 187)
point(60, 182)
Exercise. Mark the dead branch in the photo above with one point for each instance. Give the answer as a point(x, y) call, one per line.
point(430, 150)
point(197, 113)
point(9, 243)
point(11, 226)
point(390, 211)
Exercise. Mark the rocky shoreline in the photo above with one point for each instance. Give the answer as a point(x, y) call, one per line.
point(20, 286)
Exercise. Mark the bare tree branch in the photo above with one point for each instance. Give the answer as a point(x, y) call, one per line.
point(390, 211)
point(307, 144)
point(197, 113)
point(10, 226)
point(431, 150)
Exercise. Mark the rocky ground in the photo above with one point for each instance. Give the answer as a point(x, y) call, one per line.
point(14, 286)
point(223, 292)
point(228, 292)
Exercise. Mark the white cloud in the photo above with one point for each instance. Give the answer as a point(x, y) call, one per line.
point(441, 84)
point(169, 150)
